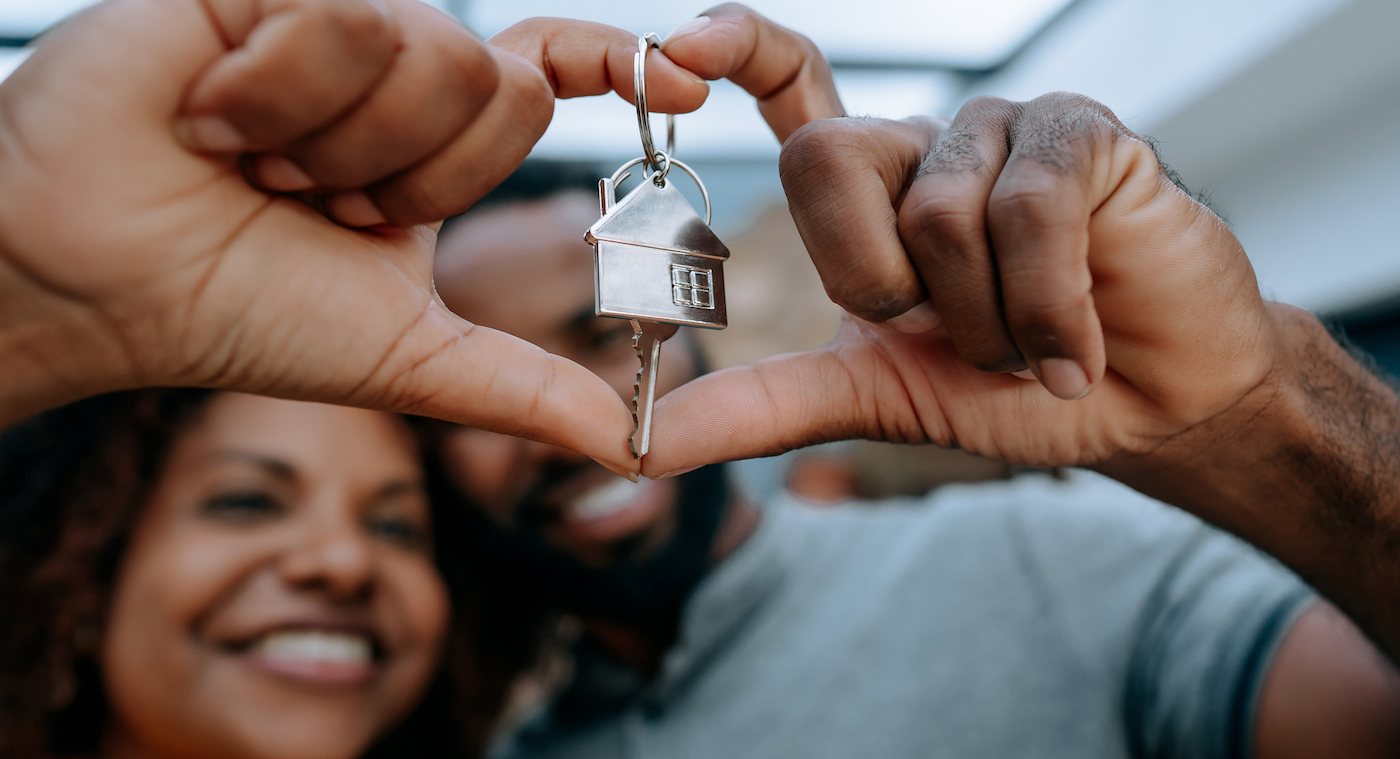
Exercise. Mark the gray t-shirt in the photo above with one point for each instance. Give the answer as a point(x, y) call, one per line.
point(1035, 619)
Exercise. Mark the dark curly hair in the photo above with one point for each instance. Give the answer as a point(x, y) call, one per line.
point(72, 482)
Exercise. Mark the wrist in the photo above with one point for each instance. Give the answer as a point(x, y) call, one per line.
point(1307, 468)
point(1310, 443)
point(53, 350)
point(1212, 467)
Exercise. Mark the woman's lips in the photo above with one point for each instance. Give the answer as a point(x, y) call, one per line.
point(315, 657)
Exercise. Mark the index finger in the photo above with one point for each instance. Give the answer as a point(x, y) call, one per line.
point(581, 58)
point(537, 60)
point(782, 69)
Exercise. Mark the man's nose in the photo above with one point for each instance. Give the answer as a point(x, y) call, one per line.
point(333, 556)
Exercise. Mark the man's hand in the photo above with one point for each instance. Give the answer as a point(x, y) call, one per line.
point(1039, 235)
point(1046, 236)
point(238, 194)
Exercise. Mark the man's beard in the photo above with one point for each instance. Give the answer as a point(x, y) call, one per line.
point(647, 591)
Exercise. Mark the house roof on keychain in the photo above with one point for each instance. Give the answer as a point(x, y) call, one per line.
point(658, 217)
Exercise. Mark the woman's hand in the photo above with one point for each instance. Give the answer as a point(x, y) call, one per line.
point(240, 195)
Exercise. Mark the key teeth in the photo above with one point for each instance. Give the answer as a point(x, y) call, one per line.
point(637, 395)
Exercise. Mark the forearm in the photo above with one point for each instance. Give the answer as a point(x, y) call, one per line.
point(1307, 467)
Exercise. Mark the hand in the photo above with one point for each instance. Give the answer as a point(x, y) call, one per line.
point(154, 160)
point(782, 69)
point(1041, 235)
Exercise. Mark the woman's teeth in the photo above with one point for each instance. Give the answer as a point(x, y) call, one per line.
point(315, 647)
point(607, 499)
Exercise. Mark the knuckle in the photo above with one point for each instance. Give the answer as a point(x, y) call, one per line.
point(1064, 100)
point(738, 10)
point(532, 101)
point(871, 289)
point(941, 216)
point(358, 21)
point(955, 152)
point(1062, 125)
point(471, 68)
point(991, 116)
point(815, 149)
point(1026, 197)
point(984, 106)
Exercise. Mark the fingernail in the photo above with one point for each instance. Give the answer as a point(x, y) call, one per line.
point(210, 134)
point(354, 209)
point(1064, 378)
point(677, 472)
point(690, 27)
point(1025, 374)
point(279, 174)
point(619, 471)
point(917, 320)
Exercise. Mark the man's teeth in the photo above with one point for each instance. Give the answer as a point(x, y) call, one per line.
point(315, 647)
point(608, 499)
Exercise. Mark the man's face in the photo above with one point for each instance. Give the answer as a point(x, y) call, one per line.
point(524, 269)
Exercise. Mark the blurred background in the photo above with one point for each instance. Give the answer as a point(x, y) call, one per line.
point(1283, 112)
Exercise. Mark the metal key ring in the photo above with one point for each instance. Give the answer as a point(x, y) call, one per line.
point(639, 84)
point(622, 173)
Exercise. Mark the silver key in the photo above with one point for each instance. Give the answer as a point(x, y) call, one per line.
point(647, 339)
point(655, 261)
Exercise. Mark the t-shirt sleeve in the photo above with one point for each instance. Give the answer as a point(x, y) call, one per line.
point(1187, 617)
point(1204, 643)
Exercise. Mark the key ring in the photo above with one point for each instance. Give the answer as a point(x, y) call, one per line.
point(622, 174)
point(653, 157)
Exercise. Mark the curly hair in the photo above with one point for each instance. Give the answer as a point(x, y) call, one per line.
point(72, 484)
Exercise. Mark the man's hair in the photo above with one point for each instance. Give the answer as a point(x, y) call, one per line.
point(537, 179)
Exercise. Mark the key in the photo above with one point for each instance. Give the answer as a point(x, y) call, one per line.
point(656, 263)
point(647, 338)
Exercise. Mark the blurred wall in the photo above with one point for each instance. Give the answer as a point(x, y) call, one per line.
point(1284, 111)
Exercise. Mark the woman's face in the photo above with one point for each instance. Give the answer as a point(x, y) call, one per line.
point(279, 597)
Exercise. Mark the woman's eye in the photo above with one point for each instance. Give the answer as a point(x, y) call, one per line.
point(402, 531)
point(242, 506)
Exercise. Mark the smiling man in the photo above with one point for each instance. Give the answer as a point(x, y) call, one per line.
point(1034, 618)
point(616, 550)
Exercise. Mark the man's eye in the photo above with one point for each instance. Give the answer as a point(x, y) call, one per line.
point(242, 506)
point(401, 531)
point(604, 338)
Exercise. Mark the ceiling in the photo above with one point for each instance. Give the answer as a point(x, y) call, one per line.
point(920, 33)
point(923, 33)
point(892, 57)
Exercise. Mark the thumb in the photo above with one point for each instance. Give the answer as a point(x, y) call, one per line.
point(782, 69)
point(450, 369)
point(779, 404)
point(290, 68)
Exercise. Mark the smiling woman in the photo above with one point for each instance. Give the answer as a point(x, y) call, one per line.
point(185, 573)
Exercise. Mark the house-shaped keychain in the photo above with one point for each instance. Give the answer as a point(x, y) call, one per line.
point(655, 259)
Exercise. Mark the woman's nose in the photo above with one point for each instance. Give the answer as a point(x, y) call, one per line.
point(332, 555)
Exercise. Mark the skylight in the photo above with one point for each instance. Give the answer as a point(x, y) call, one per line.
point(22, 19)
point(920, 33)
point(953, 33)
